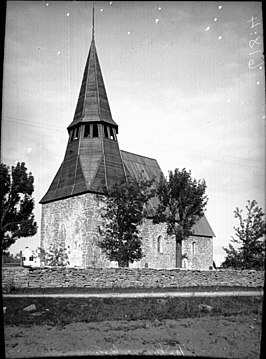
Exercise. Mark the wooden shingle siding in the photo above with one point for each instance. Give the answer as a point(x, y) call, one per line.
point(80, 183)
point(90, 147)
point(99, 180)
point(51, 190)
point(92, 102)
point(89, 167)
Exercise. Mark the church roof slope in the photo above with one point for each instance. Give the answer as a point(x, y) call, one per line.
point(135, 164)
point(150, 169)
point(202, 228)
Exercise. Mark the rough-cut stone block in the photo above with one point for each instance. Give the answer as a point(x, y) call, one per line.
point(30, 308)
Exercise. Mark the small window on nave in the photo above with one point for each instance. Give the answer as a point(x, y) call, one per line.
point(160, 244)
point(193, 248)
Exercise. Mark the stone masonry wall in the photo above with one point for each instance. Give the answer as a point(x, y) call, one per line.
point(155, 257)
point(203, 252)
point(74, 223)
point(163, 255)
point(128, 277)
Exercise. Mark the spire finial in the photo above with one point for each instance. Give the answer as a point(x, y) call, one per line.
point(93, 20)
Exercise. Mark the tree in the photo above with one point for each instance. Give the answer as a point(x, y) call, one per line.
point(41, 253)
point(250, 238)
point(123, 210)
point(55, 256)
point(17, 204)
point(182, 202)
point(11, 258)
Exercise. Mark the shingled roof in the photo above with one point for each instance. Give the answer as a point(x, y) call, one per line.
point(92, 105)
point(149, 167)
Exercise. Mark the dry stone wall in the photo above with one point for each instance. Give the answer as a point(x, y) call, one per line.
point(128, 278)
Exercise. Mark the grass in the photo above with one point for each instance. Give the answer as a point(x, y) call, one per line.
point(68, 290)
point(62, 311)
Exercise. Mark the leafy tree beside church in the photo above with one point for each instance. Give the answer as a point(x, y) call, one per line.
point(250, 238)
point(123, 210)
point(182, 202)
point(17, 204)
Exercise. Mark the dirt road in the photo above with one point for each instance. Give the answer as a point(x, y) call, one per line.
point(224, 337)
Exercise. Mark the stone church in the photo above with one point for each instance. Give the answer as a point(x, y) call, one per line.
point(70, 215)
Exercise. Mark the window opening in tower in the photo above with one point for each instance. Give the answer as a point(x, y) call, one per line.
point(95, 132)
point(87, 130)
point(105, 131)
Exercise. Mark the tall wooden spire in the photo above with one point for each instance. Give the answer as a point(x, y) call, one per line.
point(92, 103)
point(92, 158)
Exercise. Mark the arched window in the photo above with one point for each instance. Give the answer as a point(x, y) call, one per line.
point(159, 244)
point(184, 263)
point(193, 248)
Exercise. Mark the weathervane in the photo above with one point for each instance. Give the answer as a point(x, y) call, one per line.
point(93, 20)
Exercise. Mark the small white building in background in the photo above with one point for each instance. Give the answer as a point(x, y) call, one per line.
point(29, 259)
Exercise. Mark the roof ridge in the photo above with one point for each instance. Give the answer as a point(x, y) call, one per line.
point(87, 68)
point(97, 83)
point(135, 154)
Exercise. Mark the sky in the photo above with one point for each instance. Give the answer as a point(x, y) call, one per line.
point(185, 83)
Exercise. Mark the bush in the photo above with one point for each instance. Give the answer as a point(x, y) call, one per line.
point(9, 285)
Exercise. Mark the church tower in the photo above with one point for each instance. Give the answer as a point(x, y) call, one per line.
point(92, 161)
point(92, 158)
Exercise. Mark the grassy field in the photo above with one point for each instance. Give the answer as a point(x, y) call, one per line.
point(62, 311)
point(68, 290)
